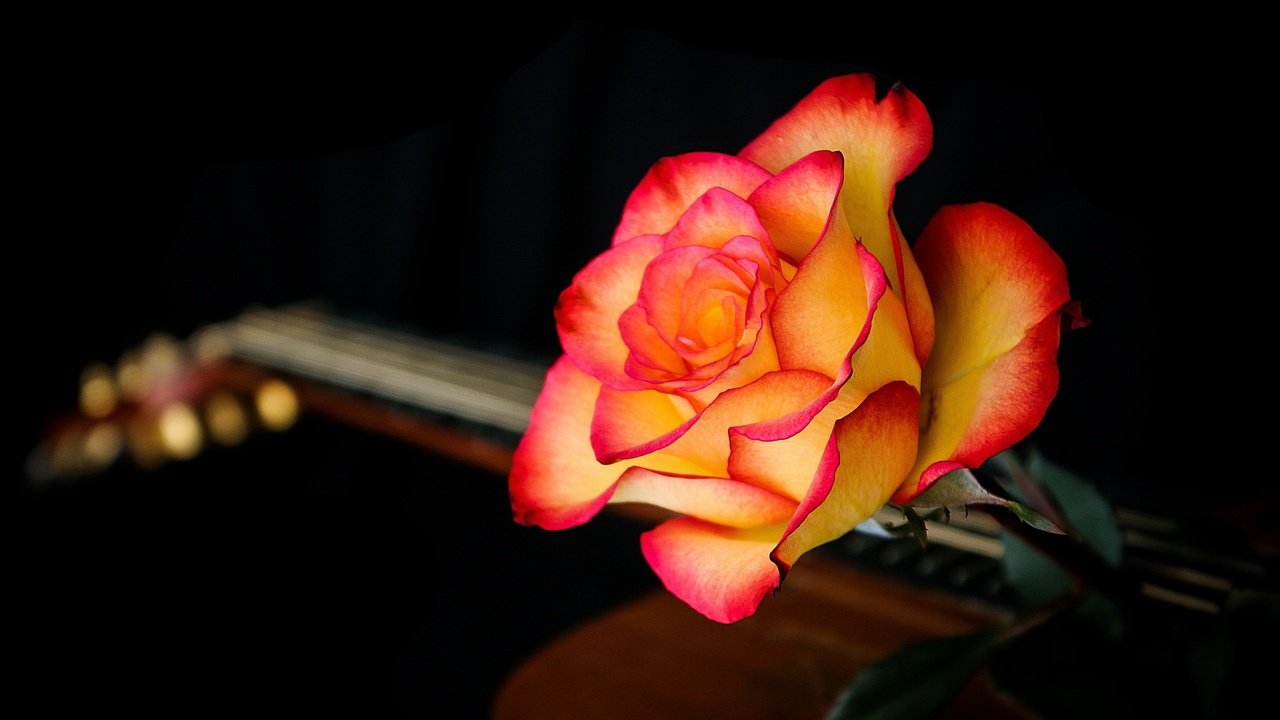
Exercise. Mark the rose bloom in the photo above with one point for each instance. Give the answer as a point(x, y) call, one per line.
point(762, 354)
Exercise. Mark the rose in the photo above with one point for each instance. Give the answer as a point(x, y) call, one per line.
point(762, 354)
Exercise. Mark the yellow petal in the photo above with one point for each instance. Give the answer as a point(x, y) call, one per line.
point(999, 291)
point(867, 456)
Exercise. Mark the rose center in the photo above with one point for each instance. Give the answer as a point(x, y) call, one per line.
point(717, 318)
point(699, 311)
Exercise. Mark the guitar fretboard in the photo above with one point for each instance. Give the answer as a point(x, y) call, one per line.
point(465, 384)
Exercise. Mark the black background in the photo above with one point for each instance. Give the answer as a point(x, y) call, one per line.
point(452, 178)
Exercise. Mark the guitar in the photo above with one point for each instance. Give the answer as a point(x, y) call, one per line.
point(852, 601)
point(167, 400)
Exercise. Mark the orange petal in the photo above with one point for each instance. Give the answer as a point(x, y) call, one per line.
point(795, 206)
point(651, 359)
point(825, 314)
point(662, 292)
point(588, 310)
point(713, 219)
point(882, 141)
point(918, 304)
point(786, 399)
point(721, 572)
point(717, 500)
point(673, 183)
point(869, 452)
point(999, 292)
point(888, 354)
point(556, 481)
point(783, 454)
point(634, 423)
point(759, 358)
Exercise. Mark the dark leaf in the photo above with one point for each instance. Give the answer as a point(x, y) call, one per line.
point(1033, 518)
point(1034, 578)
point(917, 681)
point(1037, 579)
point(1086, 510)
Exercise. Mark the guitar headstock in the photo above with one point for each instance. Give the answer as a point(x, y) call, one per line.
point(166, 400)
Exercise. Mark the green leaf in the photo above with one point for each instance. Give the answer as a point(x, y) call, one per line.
point(1034, 578)
point(1037, 581)
point(917, 681)
point(960, 487)
point(1086, 510)
point(1033, 518)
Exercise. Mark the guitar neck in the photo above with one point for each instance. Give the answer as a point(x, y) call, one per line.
point(489, 390)
point(456, 401)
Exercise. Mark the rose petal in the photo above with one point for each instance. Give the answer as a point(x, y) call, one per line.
point(721, 572)
point(882, 142)
point(661, 292)
point(673, 183)
point(783, 454)
point(869, 452)
point(713, 219)
point(999, 292)
point(888, 354)
point(588, 310)
point(758, 357)
point(634, 423)
point(556, 481)
point(919, 309)
point(795, 206)
point(825, 314)
point(785, 398)
point(721, 501)
point(651, 359)
point(889, 136)
point(987, 411)
point(882, 356)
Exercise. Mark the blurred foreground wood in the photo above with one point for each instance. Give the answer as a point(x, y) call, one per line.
point(657, 658)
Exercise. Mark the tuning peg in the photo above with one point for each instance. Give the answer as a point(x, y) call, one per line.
point(210, 344)
point(172, 434)
point(180, 432)
point(139, 370)
point(225, 418)
point(162, 355)
point(142, 438)
point(98, 392)
point(276, 404)
point(102, 445)
point(80, 451)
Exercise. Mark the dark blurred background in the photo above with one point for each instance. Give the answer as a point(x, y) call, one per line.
point(451, 180)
